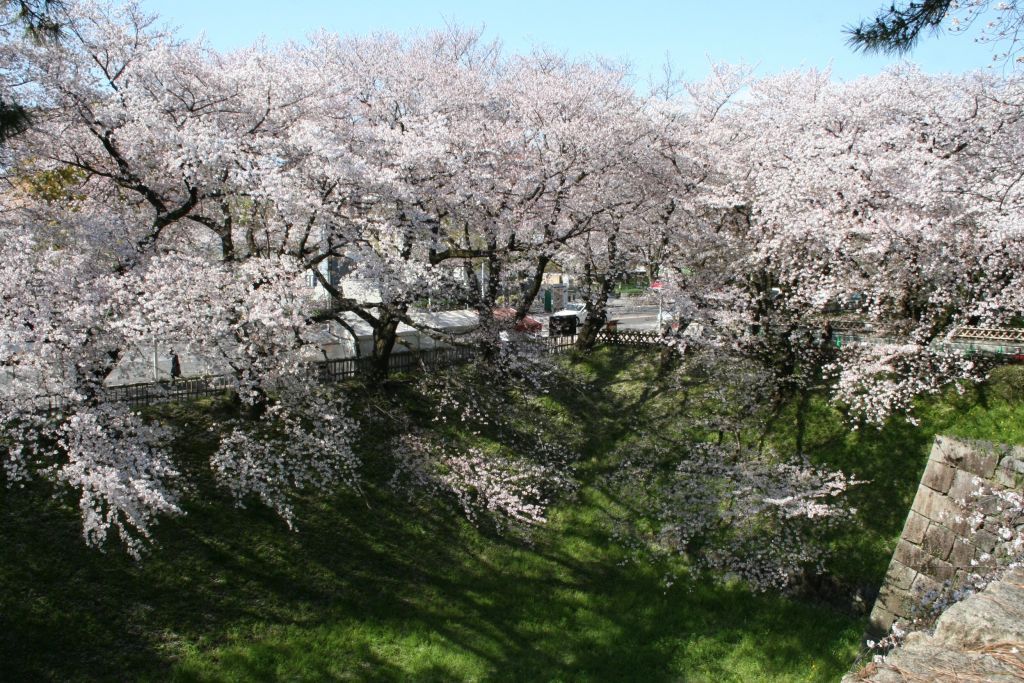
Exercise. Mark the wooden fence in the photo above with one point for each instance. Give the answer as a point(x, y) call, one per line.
point(633, 338)
point(1005, 345)
point(453, 355)
point(989, 334)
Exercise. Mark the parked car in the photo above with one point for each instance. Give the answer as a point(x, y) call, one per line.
point(667, 319)
point(527, 324)
point(576, 308)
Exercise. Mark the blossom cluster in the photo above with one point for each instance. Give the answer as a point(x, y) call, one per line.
point(488, 487)
point(735, 512)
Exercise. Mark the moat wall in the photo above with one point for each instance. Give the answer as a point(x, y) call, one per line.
point(937, 545)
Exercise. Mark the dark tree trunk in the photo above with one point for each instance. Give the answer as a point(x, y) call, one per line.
point(485, 309)
point(597, 304)
point(534, 288)
point(385, 333)
point(597, 315)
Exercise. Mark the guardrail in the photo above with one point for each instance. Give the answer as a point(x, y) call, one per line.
point(164, 392)
point(970, 340)
point(149, 393)
point(993, 345)
point(345, 368)
point(1003, 334)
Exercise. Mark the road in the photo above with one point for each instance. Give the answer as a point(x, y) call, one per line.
point(629, 317)
point(647, 322)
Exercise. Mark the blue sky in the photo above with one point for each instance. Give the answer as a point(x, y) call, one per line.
point(775, 34)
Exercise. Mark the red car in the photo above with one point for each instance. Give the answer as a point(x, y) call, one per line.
point(527, 324)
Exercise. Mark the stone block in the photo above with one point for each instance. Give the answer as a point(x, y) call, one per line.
point(961, 554)
point(1010, 471)
point(977, 457)
point(985, 560)
point(938, 476)
point(956, 520)
point(983, 540)
point(938, 540)
point(925, 587)
point(1009, 461)
point(909, 555)
point(990, 506)
point(900, 576)
point(967, 487)
point(924, 501)
point(897, 602)
point(981, 461)
point(915, 527)
point(938, 451)
point(1008, 479)
point(940, 508)
point(994, 616)
point(881, 620)
point(940, 570)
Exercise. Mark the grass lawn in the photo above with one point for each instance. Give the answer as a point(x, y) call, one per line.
point(378, 587)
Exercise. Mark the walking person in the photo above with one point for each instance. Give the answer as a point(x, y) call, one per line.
point(175, 366)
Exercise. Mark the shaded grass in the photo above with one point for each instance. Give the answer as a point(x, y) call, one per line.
point(891, 459)
point(376, 587)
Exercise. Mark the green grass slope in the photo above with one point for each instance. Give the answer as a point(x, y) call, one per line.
point(377, 587)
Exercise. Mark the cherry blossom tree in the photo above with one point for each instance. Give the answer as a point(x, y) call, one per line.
point(170, 146)
point(826, 194)
point(720, 502)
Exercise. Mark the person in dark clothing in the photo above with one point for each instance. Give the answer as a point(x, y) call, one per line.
point(175, 366)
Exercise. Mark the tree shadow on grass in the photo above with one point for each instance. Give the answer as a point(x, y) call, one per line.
point(381, 592)
point(888, 460)
point(376, 587)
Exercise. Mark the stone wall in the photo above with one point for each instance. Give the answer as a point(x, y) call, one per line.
point(979, 639)
point(937, 546)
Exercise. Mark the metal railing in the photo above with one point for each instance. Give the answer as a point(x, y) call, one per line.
point(328, 371)
point(970, 340)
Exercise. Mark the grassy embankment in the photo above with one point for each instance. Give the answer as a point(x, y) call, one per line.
point(377, 587)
